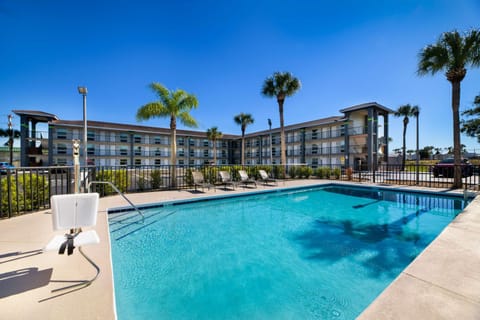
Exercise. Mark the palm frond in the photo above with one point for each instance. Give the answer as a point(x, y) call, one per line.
point(186, 118)
point(152, 110)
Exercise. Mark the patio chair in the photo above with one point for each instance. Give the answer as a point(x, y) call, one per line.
point(265, 178)
point(72, 212)
point(226, 179)
point(199, 181)
point(245, 179)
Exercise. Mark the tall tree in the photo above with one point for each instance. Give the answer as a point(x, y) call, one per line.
point(213, 135)
point(175, 105)
point(405, 111)
point(451, 54)
point(471, 125)
point(243, 120)
point(11, 134)
point(281, 85)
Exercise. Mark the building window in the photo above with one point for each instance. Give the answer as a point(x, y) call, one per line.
point(123, 151)
point(62, 148)
point(224, 144)
point(138, 162)
point(205, 143)
point(91, 149)
point(157, 140)
point(181, 141)
point(314, 134)
point(157, 152)
point(314, 149)
point(191, 142)
point(181, 152)
point(138, 151)
point(224, 154)
point(158, 162)
point(314, 163)
point(90, 136)
point(192, 153)
point(205, 153)
point(61, 161)
point(123, 137)
point(181, 162)
point(191, 162)
point(61, 134)
point(123, 162)
point(137, 139)
point(274, 140)
point(274, 152)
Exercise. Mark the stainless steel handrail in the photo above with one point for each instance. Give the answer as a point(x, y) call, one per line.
point(119, 192)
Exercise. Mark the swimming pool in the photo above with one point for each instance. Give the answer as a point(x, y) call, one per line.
point(310, 253)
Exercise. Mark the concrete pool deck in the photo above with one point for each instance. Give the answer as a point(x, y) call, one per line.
point(443, 282)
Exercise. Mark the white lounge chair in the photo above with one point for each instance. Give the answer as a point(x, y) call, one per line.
point(226, 179)
point(265, 178)
point(199, 180)
point(245, 179)
point(72, 212)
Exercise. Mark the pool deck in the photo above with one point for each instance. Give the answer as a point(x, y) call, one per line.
point(443, 282)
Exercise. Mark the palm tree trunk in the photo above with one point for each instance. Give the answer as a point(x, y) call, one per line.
point(404, 154)
point(173, 156)
point(243, 146)
point(283, 155)
point(457, 178)
point(214, 152)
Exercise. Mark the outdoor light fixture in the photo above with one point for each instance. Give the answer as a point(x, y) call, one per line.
point(83, 91)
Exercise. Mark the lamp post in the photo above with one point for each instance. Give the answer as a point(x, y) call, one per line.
point(270, 130)
point(83, 92)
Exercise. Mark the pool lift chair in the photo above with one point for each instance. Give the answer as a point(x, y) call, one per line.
point(73, 212)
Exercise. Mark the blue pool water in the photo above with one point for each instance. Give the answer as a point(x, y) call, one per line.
point(318, 253)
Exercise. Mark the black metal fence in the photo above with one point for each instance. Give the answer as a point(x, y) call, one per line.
point(24, 190)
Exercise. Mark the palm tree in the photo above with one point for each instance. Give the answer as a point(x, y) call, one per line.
point(405, 111)
point(173, 104)
point(213, 135)
point(451, 54)
point(11, 134)
point(281, 85)
point(243, 120)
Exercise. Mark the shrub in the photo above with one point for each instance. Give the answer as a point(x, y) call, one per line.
point(118, 177)
point(293, 171)
point(336, 173)
point(156, 178)
point(27, 192)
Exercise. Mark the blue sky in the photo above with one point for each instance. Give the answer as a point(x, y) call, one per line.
point(344, 53)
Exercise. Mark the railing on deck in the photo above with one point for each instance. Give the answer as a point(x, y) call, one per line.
point(24, 190)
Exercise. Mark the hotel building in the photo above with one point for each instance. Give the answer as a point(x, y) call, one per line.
point(352, 139)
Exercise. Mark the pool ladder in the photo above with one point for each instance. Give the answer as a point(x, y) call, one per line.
point(120, 193)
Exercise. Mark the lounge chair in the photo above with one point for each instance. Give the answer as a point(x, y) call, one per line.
point(199, 181)
point(265, 178)
point(226, 179)
point(72, 212)
point(245, 179)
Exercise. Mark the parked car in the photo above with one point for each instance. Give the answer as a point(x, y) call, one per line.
point(445, 167)
point(5, 166)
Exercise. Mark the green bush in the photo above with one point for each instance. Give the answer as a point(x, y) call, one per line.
point(323, 172)
point(156, 179)
point(336, 173)
point(305, 172)
point(27, 192)
point(118, 177)
point(293, 171)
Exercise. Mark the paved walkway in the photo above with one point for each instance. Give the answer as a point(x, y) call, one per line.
point(442, 283)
